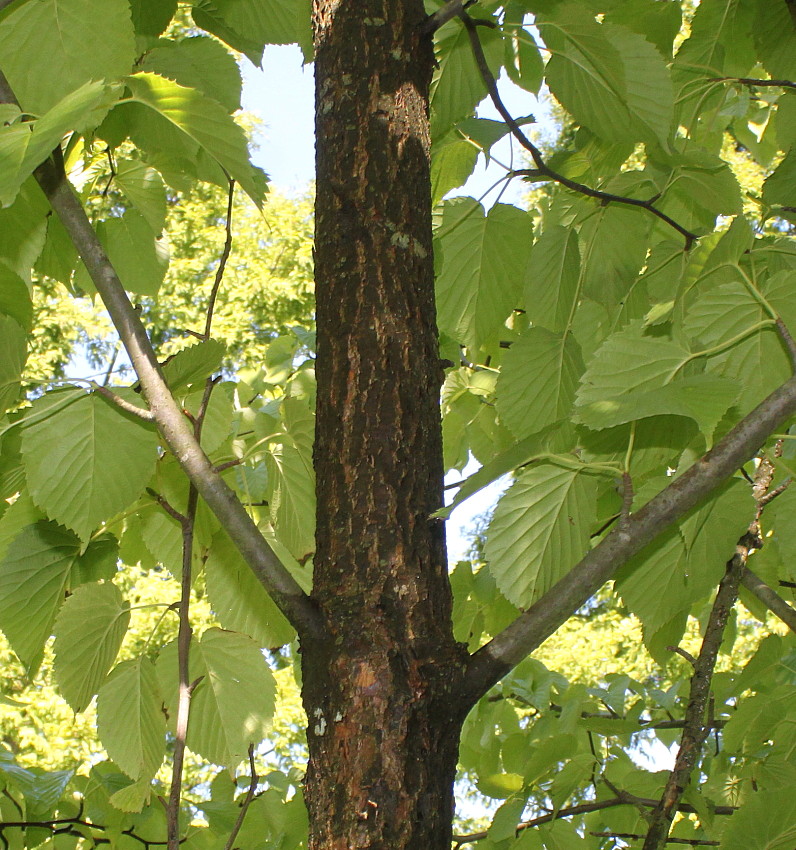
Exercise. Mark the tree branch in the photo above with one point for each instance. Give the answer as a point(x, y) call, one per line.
point(543, 171)
point(493, 660)
point(696, 730)
point(247, 800)
point(622, 798)
point(222, 263)
point(121, 403)
point(173, 425)
point(748, 81)
point(770, 598)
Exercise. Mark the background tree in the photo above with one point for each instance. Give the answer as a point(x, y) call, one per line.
point(639, 303)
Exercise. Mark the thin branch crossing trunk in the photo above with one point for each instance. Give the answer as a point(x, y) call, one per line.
point(383, 735)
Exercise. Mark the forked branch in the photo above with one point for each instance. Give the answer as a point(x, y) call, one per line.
point(542, 171)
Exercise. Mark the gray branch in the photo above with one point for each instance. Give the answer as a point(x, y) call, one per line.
point(496, 658)
point(770, 598)
point(173, 425)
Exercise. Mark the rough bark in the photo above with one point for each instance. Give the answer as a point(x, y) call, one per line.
point(383, 736)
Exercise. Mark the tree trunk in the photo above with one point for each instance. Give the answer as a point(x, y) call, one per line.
point(383, 735)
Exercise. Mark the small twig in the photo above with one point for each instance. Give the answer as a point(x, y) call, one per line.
point(228, 464)
point(770, 598)
point(186, 687)
point(541, 166)
point(627, 497)
point(109, 370)
point(222, 263)
point(112, 174)
point(166, 505)
point(696, 730)
point(244, 806)
point(772, 494)
point(684, 653)
point(121, 403)
point(748, 81)
point(444, 14)
point(632, 836)
point(787, 339)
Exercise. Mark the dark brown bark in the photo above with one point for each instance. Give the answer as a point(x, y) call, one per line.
point(383, 735)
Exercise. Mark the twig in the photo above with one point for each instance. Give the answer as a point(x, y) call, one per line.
point(541, 166)
point(109, 370)
point(694, 842)
point(621, 798)
point(773, 494)
point(244, 806)
point(748, 81)
point(222, 263)
point(684, 653)
point(167, 506)
point(444, 14)
point(185, 686)
point(770, 598)
point(121, 403)
point(787, 339)
point(696, 730)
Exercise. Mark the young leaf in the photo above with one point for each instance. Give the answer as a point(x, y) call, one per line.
point(130, 718)
point(88, 463)
point(540, 530)
point(144, 187)
point(88, 633)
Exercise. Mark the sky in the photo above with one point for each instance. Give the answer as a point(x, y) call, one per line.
point(281, 95)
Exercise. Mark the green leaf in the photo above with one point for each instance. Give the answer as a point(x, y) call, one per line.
point(137, 256)
point(204, 121)
point(725, 312)
point(701, 187)
point(780, 187)
point(630, 360)
point(522, 59)
point(232, 705)
point(193, 364)
point(766, 822)
point(539, 365)
point(151, 17)
point(609, 78)
point(198, 63)
point(130, 718)
point(703, 398)
point(24, 146)
point(88, 463)
point(238, 599)
point(658, 22)
point(16, 517)
point(457, 86)
point(33, 580)
point(551, 282)
point(23, 228)
point(52, 47)
point(775, 38)
point(217, 423)
point(484, 260)
point(540, 530)
point(133, 797)
point(13, 354)
point(88, 633)
point(15, 300)
point(144, 187)
point(453, 159)
point(291, 500)
point(248, 25)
